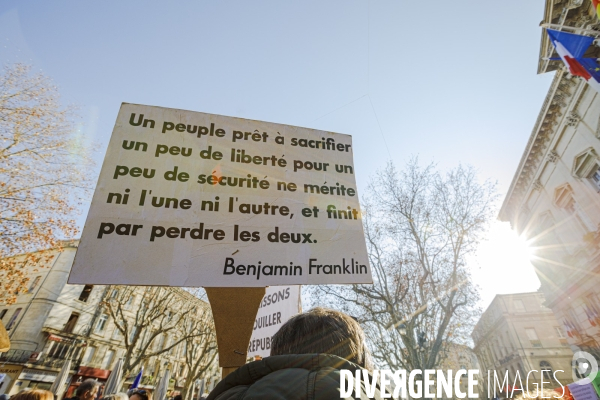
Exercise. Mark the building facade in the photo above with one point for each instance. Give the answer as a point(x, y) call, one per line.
point(54, 321)
point(518, 334)
point(457, 357)
point(554, 198)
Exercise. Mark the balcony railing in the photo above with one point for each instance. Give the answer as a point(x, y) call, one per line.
point(24, 357)
point(16, 356)
point(536, 343)
point(54, 362)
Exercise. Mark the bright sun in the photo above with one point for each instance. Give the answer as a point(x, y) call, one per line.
point(502, 264)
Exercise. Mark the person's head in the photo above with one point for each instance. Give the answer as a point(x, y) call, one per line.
point(178, 397)
point(35, 394)
point(116, 396)
point(88, 389)
point(322, 330)
point(550, 394)
point(139, 394)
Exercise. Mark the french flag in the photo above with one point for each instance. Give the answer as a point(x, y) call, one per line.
point(571, 48)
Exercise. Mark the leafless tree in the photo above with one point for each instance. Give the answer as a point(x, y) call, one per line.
point(200, 354)
point(45, 173)
point(146, 316)
point(420, 226)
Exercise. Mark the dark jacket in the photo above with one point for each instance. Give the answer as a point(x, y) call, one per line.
point(290, 377)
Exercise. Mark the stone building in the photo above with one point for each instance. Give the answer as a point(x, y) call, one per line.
point(518, 332)
point(457, 357)
point(55, 321)
point(554, 198)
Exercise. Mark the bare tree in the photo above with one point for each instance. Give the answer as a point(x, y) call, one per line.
point(420, 227)
point(44, 172)
point(145, 316)
point(200, 354)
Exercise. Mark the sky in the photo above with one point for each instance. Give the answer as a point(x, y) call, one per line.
point(449, 82)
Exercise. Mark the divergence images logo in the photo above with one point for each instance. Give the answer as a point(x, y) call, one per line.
point(586, 365)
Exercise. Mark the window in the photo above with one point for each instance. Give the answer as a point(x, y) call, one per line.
point(546, 369)
point(85, 293)
point(585, 166)
point(117, 335)
point(3, 313)
point(559, 332)
point(519, 306)
point(531, 333)
point(101, 324)
point(55, 349)
point(129, 302)
point(89, 355)
point(595, 178)
point(563, 198)
point(108, 359)
point(132, 334)
point(159, 342)
point(533, 337)
point(184, 348)
point(114, 293)
point(70, 325)
point(13, 319)
point(34, 283)
point(168, 343)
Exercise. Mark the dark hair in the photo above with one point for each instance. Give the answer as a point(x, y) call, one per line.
point(116, 396)
point(178, 397)
point(322, 330)
point(86, 386)
point(140, 392)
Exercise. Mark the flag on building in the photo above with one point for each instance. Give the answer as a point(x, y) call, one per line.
point(596, 4)
point(138, 379)
point(572, 50)
point(589, 314)
point(570, 328)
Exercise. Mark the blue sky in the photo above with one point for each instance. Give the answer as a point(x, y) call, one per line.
point(452, 82)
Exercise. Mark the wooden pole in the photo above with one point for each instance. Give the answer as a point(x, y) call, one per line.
point(234, 311)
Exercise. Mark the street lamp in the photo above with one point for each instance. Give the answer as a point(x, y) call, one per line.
point(421, 339)
point(402, 329)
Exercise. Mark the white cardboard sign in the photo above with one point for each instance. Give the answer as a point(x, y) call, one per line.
point(192, 199)
point(277, 307)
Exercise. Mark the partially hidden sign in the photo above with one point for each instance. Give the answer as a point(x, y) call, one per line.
point(192, 199)
point(279, 304)
point(583, 391)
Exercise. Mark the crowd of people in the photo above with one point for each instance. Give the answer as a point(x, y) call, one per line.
point(307, 354)
point(87, 390)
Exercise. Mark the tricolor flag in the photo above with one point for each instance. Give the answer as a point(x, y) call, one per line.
point(571, 48)
point(590, 315)
point(596, 4)
point(570, 328)
point(138, 379)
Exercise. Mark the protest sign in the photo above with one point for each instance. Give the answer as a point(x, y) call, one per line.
point(583, 391)
point(192, 199)
point(277, 307)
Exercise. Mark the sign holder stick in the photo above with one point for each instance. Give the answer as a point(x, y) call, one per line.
point(234, 311)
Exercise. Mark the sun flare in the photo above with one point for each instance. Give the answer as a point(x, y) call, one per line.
point(502, 264)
